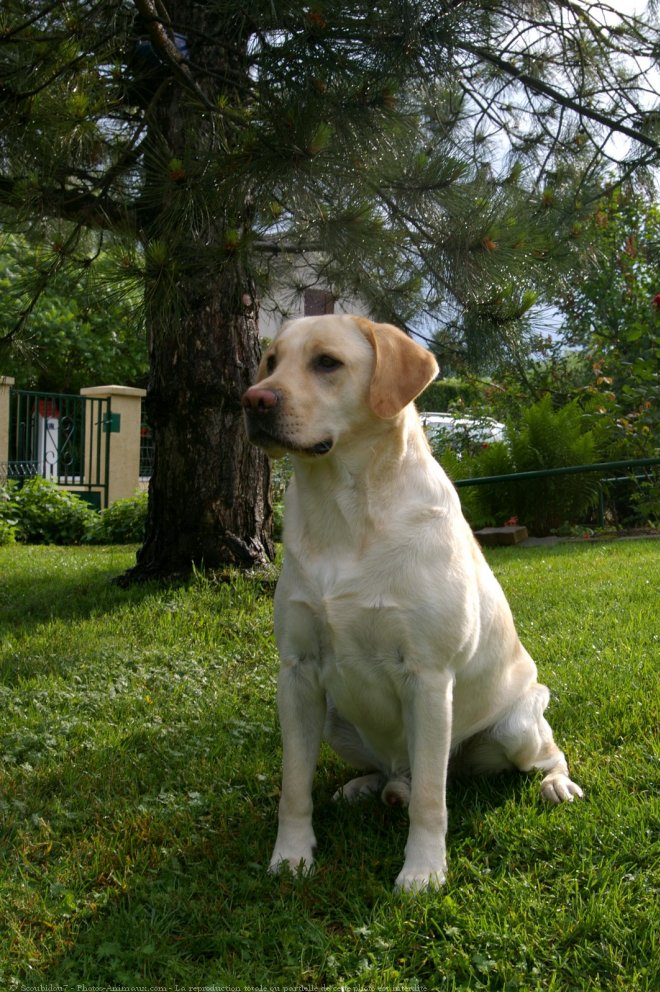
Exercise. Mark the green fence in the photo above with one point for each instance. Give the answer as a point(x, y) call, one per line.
point(604, 468)
point(61, 437)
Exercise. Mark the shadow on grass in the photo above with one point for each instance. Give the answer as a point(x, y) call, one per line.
point(170, 846)
point(74, 583)
point(62, 583)
point(71, 589)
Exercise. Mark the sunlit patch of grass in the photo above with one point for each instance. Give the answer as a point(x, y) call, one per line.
point(140, 774)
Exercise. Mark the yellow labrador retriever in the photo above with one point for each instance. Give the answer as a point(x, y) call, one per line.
point(396, 641)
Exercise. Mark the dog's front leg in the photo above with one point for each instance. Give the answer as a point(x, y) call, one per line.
point(427, 713)
point(302, 707)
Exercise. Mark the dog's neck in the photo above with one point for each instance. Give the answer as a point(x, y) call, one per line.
point(346, 498)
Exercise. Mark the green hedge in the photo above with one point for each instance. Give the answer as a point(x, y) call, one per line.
point(544, 438)
point(41, 512)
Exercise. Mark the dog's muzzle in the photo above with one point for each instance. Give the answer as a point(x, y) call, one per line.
point(261, 402)
point(262, 412)
point(261, 408)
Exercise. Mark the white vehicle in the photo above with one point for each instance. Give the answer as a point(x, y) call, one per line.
point(461, 432)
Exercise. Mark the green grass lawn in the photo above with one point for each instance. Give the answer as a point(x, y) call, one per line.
point(140, 772)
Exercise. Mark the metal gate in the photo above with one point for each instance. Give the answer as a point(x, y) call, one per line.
point(62, 437)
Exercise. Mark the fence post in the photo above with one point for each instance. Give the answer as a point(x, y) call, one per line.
point(123, 436)
point(6, 382)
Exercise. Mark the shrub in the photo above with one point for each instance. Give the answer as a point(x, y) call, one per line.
point(121, 523)
point(480, 508)
point(40, 512)
point(8, 519)
point(548, 438)
point(494, 500)
point(640, 501)
point(544, 438)
point(446, 394)
point(47, 514)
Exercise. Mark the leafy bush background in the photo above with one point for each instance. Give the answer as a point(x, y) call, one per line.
point(544, 438)
point(47, 514)
point(121, 523)
point(40, 512)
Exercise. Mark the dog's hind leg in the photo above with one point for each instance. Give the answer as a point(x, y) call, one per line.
point(479, 755)
point(525, 738)
point(361, 787)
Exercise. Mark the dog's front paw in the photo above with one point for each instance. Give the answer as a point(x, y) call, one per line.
point(419, 881)
point(294, 851)
point(297, 864)
point(560, 789)
point(425, 863)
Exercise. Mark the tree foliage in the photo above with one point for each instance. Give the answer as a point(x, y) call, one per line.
point(80, 333)
point(611, 310)
point(426, 157)
point(411, 153)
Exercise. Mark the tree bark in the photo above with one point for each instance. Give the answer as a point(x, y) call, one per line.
point(209, 492)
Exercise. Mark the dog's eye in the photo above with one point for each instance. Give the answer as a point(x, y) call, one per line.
point(327, 363)
point(271, 362)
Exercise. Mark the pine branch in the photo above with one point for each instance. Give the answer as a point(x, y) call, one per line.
point(163, 44)
point(545, 89)
point(42, 286)
point(80, 207)
point(274, 248)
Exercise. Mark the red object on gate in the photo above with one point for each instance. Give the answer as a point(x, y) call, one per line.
point(48, 408)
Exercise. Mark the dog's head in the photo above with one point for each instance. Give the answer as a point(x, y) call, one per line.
point(324, 379)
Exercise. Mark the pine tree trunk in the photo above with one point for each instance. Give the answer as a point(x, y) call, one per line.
point(208, 496)
point(209, 492)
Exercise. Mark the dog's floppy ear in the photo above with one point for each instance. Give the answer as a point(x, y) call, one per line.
point(402, 368)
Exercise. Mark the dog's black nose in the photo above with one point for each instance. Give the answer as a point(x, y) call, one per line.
point(257, 400)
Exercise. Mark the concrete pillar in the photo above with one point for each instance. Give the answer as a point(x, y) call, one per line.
point(6, 382)
point(123, 435)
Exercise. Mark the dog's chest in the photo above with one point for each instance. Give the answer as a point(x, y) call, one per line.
point(350, 603)
point(354, 627)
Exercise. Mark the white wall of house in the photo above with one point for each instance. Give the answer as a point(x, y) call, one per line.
point(312, 302)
